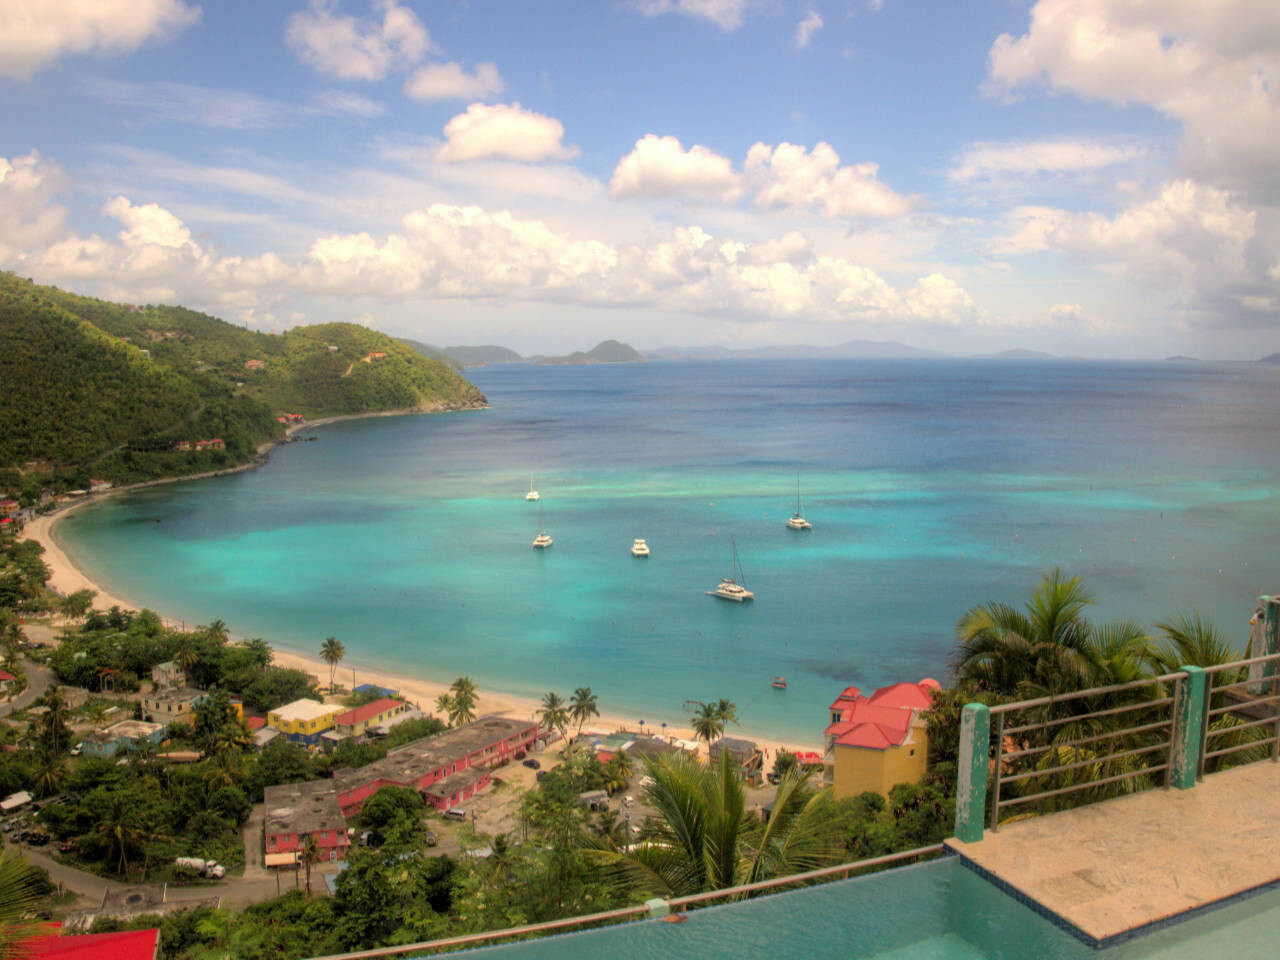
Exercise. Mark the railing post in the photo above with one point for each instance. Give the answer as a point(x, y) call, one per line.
point(657, 908)
point(1188, 724)
point(971, 780)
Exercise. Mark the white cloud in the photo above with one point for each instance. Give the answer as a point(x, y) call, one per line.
point(1213, 66)
point(149, 225)
point(449, 81)
point(791, 177)
point(352, 49)
point(725, 14)
point(345, 103)
point(503, 130)
point(34, 34)
point(660, 167)
point(982, 161)
point(28, 216)
point(1074, 319)
point(805, 30)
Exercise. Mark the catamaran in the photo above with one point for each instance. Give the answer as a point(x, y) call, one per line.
point(731, 588)
point(543, 539)
point(639, 548)
point(532, 494)
point(797, 521)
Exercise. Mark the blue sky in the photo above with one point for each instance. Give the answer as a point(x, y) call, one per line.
point(1091, 177)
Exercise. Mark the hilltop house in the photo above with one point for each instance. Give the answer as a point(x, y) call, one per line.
point(874, 743)
point(170, 705)
point(168, 674)
point(122, 737)
point(295, 811)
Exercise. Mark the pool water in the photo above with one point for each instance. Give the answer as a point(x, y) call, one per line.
point(933, 911)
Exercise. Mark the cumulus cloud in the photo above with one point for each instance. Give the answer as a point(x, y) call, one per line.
point(1210, 66)
point(357, 49)
point(725, 14)
point(449, 81)
point(982, 161)
point(661, 167)
point(1073, 318)
point(28, 216)
point(789, 176)
point(805, 30)
point(449, 251)
point(33, 35)
point(503, 130)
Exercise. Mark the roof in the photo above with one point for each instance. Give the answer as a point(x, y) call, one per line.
point(175, 695)
point(6, 675)
point(303, 808)
point(848, 696)
point(255, 723)
point(405, 764)
point(374, 688)
point(127, 730)
point(305, 710)
point(125, 945)
point(367, 711)
point(458, 782)
point(882, 720)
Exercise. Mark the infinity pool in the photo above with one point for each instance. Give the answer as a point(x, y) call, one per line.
point(932, 911)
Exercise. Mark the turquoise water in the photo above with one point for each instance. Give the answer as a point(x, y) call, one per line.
point(934, 911)
point(932, 486)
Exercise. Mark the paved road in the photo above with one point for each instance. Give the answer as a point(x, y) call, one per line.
point(39, 679)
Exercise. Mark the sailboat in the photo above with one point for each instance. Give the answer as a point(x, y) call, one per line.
point(532, 494)
point(797, 521)
point(543, 539)
point(730, 587)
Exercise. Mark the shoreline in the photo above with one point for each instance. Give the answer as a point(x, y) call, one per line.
point(66, 576)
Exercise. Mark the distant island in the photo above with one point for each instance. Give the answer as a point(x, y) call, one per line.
point(474, 356)
point(98, 392)
point(609, 351)
point(1270, 358)
point(852, 349)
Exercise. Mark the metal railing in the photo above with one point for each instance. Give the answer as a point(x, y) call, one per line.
point(1240, 714)
point(1038, 757)
point(641, 911)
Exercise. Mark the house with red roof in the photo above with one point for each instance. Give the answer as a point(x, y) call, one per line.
point(7, 680)
point(359, 720)
point(876, 742)
point(124, 945)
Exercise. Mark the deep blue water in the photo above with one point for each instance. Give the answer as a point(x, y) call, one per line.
point(932, 486)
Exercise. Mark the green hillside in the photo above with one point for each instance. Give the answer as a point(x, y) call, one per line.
point(470, 356)
point(112, 390)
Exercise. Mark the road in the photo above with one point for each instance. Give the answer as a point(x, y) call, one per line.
point(39, 679)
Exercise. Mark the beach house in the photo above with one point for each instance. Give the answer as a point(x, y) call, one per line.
point(170, 705)
point(295, 811)
point(358, 721)
point(303, 721)
point(874, 743)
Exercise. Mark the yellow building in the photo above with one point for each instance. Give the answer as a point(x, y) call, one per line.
point(303, 721)
point(876, 742)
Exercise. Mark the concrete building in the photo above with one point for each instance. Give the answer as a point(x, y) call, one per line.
point(296, 810)
point(360, 720)
point(168, 674)
point(170, 704)
point(430, 765)
point(876, 742)
point(123, 737)
point(303, 721)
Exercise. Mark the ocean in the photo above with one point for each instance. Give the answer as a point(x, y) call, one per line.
point(932, 486)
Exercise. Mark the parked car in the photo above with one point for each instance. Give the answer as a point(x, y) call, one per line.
point(532, 764)
point(774, 779)
point(37, 839)
point(67, 846)
point(431, 839)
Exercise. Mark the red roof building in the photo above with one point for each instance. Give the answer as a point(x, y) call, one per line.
point(126, 945)
point(255, 723)
point(358, 720)
point(876, 742)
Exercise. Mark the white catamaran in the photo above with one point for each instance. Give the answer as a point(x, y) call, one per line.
point(733, 588)
point(797, 521)
point(532, 494)
point(543, 539)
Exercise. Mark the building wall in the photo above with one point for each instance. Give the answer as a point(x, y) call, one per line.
point(862, 769)
point(166, 711)
point(302, 731)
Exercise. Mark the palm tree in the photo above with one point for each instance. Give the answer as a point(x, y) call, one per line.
point(19, 894)
point(704, 838)
point(582, 707)
point(444, 704)
point(331, 652)
point(188, 656)
point(55, 736)
point(1192, 641)
point(218, 632)
point(1050, 648)
point(122, 830)
point(707, 724)
point(309, 853)
point(553, 713)
point(464, 701)
point(48, 774)
point(726, 710)
point(260, 649)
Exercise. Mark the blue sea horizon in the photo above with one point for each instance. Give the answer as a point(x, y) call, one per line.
point(932, 485)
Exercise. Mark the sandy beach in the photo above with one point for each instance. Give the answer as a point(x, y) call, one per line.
point(66, 577)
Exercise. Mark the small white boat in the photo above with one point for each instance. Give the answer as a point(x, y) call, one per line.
point(779, 683)
point(639, 549)
point(543, 539)
point(730, 588)
point(797, 521)
point(532, 494)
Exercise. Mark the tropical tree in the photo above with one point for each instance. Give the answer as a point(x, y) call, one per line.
point(55, 735)
point(618, 771)
point(218, 632)
point(444, 705)
point(1193, 641)
point(554, 714)
point(331, 652)
point(704, 838)
point(309, 854)
point(75, 605)
point(1048, 648)
point(48, 774)
point(20, 891)
point(583, 706)
point(260, 650)
point(707, 723)
point(727, 711)
point(122, 828)
point(188, 654)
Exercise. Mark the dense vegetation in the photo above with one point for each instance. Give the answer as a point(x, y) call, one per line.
point(470, 356)
point(109, 390)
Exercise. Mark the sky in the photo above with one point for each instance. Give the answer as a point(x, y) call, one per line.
point(1097, 178)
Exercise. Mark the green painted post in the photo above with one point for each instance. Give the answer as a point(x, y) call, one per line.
point(971, 782)
point(1188, 727)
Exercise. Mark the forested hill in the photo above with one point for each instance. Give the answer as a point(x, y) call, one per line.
point(109, 390)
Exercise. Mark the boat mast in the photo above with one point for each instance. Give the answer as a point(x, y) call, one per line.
point(737, 568)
